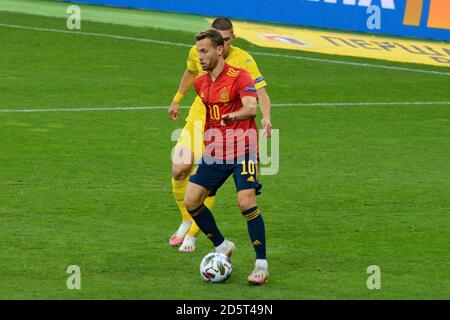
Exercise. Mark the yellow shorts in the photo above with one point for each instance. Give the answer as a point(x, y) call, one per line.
point(192, 133)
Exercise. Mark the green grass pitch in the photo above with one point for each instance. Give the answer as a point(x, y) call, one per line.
point(357, 186)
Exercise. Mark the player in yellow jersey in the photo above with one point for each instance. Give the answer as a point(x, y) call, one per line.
point(189, 146)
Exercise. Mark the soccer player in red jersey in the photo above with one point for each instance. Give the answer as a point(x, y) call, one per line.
point(231, 146)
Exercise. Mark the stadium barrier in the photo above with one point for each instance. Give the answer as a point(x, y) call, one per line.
point(412, 18)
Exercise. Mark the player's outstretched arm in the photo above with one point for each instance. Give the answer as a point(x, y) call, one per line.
point(263, 97)
point(264, 105)
point(247, 111)
point(186, 82)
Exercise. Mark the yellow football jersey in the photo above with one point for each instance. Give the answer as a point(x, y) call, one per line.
point(236, 58)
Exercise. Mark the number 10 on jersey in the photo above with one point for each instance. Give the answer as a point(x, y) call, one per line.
point(214, 112)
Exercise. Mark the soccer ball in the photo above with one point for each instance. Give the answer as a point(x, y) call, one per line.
point(215, 267)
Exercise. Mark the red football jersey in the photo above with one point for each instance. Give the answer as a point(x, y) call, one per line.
point(221, 97)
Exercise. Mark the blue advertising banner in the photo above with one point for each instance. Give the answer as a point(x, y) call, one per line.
point(412, 18)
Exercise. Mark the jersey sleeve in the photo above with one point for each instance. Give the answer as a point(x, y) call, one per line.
point(192, 61)
point(246, 85)
point(251, 66)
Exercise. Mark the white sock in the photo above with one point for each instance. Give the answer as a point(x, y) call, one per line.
point(262, 263)
point(189, 241)
point(223, 247)
point(183, 228)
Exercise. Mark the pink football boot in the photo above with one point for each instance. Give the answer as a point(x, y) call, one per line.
point(175, 241)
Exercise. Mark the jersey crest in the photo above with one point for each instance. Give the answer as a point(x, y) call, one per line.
point(224, 95)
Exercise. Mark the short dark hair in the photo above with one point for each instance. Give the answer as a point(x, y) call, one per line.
point(222, 24)
point(214, 35)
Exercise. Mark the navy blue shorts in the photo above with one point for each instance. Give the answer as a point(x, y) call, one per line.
point(212, 176)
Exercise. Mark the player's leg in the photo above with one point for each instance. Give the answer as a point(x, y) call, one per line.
point(181, 167)
point(247, 187)
point(205, 181)
point(189, 242)
point(187, 151)
point(194, 202)
point(194, 142)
